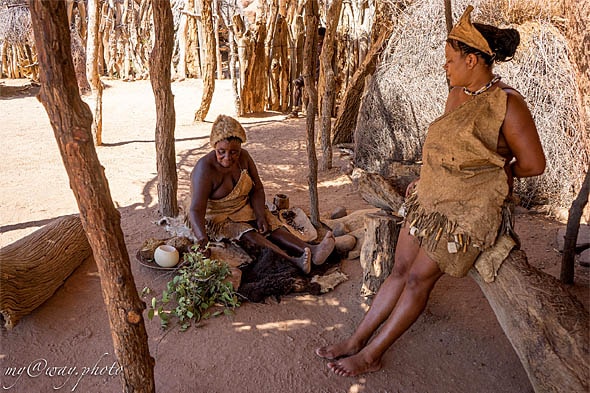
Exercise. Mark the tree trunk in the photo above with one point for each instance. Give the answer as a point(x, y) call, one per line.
point(546, 325)
point(309, 64)
point(215, 19)
point(327, 84)
point(254, 85)
point(182, 32)
point(378, 250)
point(232, 64)
point(34, 267)
point(571, 232)
point(160, 61)
point(346, 121)
point(210, 60)
point(92, 52)
point(71, 120)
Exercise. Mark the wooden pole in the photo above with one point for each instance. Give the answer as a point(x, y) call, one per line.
point(327, 84)
point(309, 64)
point(92, 46)
point(160, 71)
point(71, 120)
point(571, 232)
point(210, 60)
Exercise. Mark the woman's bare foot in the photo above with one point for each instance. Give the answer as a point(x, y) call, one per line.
point(322, 251)
point(354, 365)
point(304, 261)
point(335, 351)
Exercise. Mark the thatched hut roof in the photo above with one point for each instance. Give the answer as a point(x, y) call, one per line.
point(409, 89)
point(15, 22)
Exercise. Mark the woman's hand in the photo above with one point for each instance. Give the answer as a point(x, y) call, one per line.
point(262, 225)
point(203, 247)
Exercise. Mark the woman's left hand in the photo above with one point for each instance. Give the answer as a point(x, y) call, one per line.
point(262, 225)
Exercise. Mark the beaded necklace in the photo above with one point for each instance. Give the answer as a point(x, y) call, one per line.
point(495, 79)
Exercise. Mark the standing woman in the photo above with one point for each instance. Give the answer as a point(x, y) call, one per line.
point(458, 213)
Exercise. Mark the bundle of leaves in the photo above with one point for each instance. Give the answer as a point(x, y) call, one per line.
point(198, 285)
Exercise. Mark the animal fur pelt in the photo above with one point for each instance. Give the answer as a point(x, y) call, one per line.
point(272, 275)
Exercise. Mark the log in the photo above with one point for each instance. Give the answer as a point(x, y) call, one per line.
point(378, 250)
point(377, 190)
point(34, 267)
point(546, 325)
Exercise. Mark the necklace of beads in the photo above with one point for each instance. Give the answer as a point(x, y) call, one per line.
point(495, 79)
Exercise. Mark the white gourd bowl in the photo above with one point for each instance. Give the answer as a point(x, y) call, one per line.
point(166, 256)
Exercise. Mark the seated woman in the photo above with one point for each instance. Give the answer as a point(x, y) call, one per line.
point(228, 201)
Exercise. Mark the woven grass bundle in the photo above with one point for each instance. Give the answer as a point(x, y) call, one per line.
point(409, 89)
point(15, 22)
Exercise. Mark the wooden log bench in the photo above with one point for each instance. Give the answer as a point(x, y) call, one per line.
point(34, 267)
point(547, 326)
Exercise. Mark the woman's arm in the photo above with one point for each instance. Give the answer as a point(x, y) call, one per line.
point(201, 186)
point(257, 195)
point(522, 138)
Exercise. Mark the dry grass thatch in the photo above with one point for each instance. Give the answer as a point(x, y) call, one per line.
point(409, 89)
point(15, 22)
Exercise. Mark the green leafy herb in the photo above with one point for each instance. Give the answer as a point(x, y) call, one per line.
point(199, 284)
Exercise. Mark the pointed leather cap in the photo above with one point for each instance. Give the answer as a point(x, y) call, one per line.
point(465, 32)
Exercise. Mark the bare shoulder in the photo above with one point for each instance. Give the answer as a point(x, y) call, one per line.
point(204, 165)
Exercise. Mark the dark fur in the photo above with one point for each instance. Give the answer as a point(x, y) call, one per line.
point(272, 275)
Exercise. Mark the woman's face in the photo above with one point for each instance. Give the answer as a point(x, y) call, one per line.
point(455, 66)
point(227, 152)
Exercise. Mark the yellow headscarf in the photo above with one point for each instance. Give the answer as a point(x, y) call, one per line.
point(225, 127)
point(466, 33)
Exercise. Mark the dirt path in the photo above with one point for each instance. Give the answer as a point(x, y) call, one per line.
point(456, 346)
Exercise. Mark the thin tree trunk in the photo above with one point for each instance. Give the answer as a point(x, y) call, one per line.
point(571, 232)
point(309, 65)
point(160, 60)
point(71, 120)
point(182, 31)
point(210, 60)
point(92, 52)
point(327, 84)
point(232, 64)
point(217, 46)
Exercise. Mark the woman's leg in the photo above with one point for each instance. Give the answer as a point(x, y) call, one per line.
point(319, 252)
point(303, 261)
point(405, 253)
point(421, 279)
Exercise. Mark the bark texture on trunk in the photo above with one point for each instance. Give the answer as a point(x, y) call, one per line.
point(160, 71)
point(92, 47)
point(71, 120)
point(210, 60)
point(327, 84)
point(571, 232)
point(309, 64)
point(34, 267)
point(378, 250)
point(546, 325)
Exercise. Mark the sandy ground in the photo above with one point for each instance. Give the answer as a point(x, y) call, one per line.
point(456, 346)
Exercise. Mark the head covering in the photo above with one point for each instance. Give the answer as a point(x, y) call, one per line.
point(466, 33)
point(225, 127)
